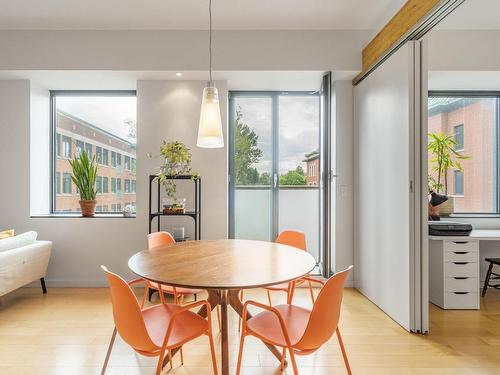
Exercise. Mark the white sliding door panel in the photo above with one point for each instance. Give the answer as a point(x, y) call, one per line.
point(384, 176)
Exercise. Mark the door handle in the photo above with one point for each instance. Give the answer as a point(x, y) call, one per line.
point(275, 180)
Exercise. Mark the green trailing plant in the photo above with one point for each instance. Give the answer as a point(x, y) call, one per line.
point(445, 156)
point(177, 161)
point(84, 175)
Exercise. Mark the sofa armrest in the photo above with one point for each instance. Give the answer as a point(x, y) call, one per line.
point(23, 265)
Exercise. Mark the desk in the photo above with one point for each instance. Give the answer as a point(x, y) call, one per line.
point(454, 262)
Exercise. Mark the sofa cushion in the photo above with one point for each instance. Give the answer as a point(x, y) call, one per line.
point(20, 240)
point(7, 233)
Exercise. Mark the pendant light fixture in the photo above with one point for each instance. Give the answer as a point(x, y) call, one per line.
point(210, 126)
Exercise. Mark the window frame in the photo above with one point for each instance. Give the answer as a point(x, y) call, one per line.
point(482, 94)
point(53, 140)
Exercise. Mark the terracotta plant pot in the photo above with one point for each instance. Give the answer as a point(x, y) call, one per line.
point(88, 208)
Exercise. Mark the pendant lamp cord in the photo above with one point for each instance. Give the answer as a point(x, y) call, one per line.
point(210, 38)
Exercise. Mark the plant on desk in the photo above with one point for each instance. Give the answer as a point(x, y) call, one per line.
point(445, 157)
point(177, 162)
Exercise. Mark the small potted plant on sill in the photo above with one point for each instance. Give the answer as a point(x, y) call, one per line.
point(177, 162)
point(84, 177)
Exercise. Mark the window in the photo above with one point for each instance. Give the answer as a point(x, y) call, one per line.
point(66, 147)
point(58, 144)
point(127, 163)
point(88, 148)
point(105, 185)
point(132, 186)
point(127, 186)
point(133, 165)
point(98, 184)
point(458, 181)
point(98, 154)
point(471, 120)
point(58, 183)
point(79, 147)
point(104, 157)
point(459, 137)
point(89, 120)
point(66, 183)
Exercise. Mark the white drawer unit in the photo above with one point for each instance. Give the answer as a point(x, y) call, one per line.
point(454, 274)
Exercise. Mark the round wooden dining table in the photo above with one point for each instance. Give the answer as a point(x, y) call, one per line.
point(223, 268)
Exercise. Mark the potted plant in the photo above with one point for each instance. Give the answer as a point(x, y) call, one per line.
point(84, 176)
point(445, 156)
point(177, 161)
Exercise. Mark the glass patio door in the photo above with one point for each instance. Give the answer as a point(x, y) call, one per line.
point(275, 168)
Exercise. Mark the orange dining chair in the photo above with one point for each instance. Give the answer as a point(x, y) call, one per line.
point(298, 240)
point(161, 239)
point(157, 329)
point(299, 330)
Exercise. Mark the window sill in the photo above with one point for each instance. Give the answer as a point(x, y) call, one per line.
point(79, 216)
point(476, 215)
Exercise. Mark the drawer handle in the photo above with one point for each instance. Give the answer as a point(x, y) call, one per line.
point(461, 292)
point(460, 242)
point(460, 278)
point(460, 263)
point(460, 252)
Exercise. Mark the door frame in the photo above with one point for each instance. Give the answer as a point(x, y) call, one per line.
point(325, 247)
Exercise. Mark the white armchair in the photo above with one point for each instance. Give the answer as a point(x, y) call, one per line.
point(23, 260)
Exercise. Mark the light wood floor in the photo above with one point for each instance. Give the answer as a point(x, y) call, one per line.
point(67, 332)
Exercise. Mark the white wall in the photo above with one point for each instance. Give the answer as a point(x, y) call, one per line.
point(170, 110)
point(464, 50)
point(343, 166)
point(166, 110)
point(181, 50)
point(39, 150)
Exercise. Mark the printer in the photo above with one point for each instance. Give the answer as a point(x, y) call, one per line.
point(449, 228)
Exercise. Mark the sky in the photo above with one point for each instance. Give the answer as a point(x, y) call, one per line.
point(298, 127)
point(106, 112)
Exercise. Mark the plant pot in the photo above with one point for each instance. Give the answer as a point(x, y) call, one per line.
point(88, 207)
point(448, 207)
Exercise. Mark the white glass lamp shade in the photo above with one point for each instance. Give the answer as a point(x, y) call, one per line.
point(210, 127)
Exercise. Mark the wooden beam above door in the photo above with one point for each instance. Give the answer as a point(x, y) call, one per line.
point(408, 17)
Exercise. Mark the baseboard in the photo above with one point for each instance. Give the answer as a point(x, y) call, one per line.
point(70, 284)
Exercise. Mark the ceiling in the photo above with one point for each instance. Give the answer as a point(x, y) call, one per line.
point(473, 15)
point(127, 80)
point(193, 14)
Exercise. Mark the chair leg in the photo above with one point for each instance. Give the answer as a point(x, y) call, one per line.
point(212, 350)
point(240, 353)
point(146, 295)
point(160, 362)
point(195, 298)
point(170, 360)
point(269, 297)
point(294, 364)
point(311, 292)
point(44, 287)
point(239, 318)
point(283, 358)
point(108, 354)
point(182, 357)
point(218, 316)
point(344, 354)
point(487, 279)
point(150, 294)
point(182, 300)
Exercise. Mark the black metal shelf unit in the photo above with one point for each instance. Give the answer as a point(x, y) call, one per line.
point(158, 214)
